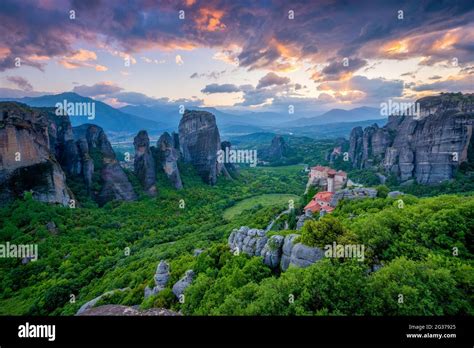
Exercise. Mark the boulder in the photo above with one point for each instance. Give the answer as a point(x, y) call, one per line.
point(162, 276)
point(394, 194)
point(88, 305)
point(304, 256)
point(272, 251)
point(249, 241)
point(120, 310)
point(288, 245)
point(351, 194)
point(183, 283)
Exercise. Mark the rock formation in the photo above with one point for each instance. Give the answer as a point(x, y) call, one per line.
point(144, 163)
point(278, 149)
point(96, 154)
point(277, 251)
point(351, 194)
point(272, 251)
point(183, 283)
point(199, 140)
point(88, 305)
point(162, 276)
point(427, 148)
point(121, 311)
point(38, 149)
point(167, 155)
point(249, 241)
point(230, 170)
point(26, 159)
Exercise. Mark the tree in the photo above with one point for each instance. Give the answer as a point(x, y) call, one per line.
point(322, 232)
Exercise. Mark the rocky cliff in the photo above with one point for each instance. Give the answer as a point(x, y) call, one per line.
point(276, 251)
point(27, 162)
point(199, 141)
point(96, 155)
point(167, 155)
point(428, 147)
point(230, 170)
point(278, 149)
point(144, 163)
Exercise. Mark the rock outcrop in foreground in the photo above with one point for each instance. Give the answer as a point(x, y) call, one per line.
point(276, 250)
point(144, 163)
point(120, 310)
point(427, 148)
point(27, 161)
point(200, 142)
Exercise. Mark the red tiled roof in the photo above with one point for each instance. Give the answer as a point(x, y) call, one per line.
point(320, 168)
point(324, 196)
point(313, 206)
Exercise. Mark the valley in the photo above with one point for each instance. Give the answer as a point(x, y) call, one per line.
point(173, 230)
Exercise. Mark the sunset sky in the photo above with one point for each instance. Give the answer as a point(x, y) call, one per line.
point(240, 54)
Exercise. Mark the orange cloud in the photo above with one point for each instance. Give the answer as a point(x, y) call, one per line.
point(101, 68)
point(447, 41)
point(38, 58)
point(4, 52)
point(83, 55)
point(210, 20)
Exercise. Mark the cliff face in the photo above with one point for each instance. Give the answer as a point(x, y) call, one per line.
point(199, 140)
point(278, 149)
point(39, 149)
point(144, 163)
point(95, 149)
point(26, 162)
point(427, 148)
point(167, 154)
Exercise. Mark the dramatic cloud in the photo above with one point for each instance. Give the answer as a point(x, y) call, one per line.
point(21, 83)
point(216, 88)
point(363, 90)
point(339, 69)
point(272, 79)
point(261, 36)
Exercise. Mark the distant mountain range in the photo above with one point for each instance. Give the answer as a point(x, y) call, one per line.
point(107, 117)
point(155, 119)
point(337, 116)
point(169, 115)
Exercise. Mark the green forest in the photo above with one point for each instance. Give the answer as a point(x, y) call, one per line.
point(418, 260)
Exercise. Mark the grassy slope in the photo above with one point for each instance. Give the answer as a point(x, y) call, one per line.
point(265, 200)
